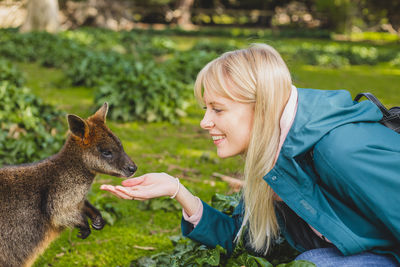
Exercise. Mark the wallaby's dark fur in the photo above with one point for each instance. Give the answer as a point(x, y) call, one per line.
point(39, 200)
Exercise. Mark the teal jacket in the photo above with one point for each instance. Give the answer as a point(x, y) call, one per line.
point(349, 192)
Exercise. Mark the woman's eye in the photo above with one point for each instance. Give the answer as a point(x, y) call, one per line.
point(217, 110)
point(106, 154)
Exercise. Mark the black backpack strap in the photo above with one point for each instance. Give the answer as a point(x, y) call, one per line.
point(375, 100)
point(391, 117)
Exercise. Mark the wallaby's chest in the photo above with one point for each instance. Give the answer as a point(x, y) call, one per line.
point(69, 195)
point(66, 204)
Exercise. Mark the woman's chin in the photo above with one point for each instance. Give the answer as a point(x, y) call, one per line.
point(224, 154)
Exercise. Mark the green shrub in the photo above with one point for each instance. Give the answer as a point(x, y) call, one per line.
point(363, 55)
point(48, 49)
point(96, 68)
point(241, 32)
point(216, 47)
point(135, 85)
point(29, 129)
point(136, 89)
point(396, 61)
point(184, 66)
point(336, 55)
point(145, 92)
point(314, 54)
point(331, 60)
point(8, 72)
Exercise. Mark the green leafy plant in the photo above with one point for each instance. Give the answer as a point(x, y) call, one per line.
point(29, 129)
point(337, 55)
point(363, 55)
point(224, 203)
point(47, 49)
point(96, 68)
point(184, 66)
point(110, 211)
point(146, 93)
point(396, 61)
point(136, 84)
point(216, 47)
point(8, 72)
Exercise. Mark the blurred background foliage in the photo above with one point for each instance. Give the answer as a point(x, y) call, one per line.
point(340, 16)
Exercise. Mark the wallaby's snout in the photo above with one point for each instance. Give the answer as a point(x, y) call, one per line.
point(131, 170)
point(129, 167)
point(102, 150)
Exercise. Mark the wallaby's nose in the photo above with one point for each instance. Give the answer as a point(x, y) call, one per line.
point(132, 169)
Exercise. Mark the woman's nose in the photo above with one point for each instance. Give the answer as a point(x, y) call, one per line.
point(206, 123)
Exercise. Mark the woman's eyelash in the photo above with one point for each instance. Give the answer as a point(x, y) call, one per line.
point(215, 109)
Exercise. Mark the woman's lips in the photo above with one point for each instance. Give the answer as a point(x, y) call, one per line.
point(218, 139)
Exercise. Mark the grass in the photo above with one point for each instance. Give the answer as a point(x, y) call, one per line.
point(182, 150)
point(381, 80)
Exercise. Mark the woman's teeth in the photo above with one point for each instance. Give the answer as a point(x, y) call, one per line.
point(217, 137)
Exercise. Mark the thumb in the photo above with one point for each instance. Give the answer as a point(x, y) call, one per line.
point(133, 181)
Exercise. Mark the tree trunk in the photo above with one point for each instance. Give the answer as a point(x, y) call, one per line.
point(394, 19)
point(183, 13)
point(42, 16)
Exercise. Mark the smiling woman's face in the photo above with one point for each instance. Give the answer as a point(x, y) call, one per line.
point(228, 122)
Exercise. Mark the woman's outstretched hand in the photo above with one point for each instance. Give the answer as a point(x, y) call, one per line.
point(152, 185)
point(147, 186)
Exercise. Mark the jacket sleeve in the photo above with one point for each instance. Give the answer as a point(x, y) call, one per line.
point(215, 228)
point(360, 163)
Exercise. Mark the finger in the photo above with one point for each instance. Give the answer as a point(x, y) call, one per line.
point(105, 187)
point(122, 195)
point(119, 194)
point(125, 190)
point(133, 181)
point(115, 192)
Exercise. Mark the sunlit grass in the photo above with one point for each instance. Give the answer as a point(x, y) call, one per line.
point(43, 81)
point(381, 80)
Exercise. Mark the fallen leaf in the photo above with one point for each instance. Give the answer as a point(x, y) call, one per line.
point(234, 183)
point(144, 248)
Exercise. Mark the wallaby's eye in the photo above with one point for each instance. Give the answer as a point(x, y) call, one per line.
point(106, 153)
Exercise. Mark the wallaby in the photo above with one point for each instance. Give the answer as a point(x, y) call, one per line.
point(39, 200)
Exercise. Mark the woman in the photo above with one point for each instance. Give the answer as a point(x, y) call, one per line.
point(319, 168)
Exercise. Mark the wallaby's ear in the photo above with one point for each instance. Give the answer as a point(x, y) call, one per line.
point(78, 126)
point(101, 113)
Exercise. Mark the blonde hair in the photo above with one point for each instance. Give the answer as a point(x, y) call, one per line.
point(256, 74)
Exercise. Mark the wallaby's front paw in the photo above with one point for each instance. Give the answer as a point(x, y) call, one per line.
point(98, 223)
point(83, 233)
